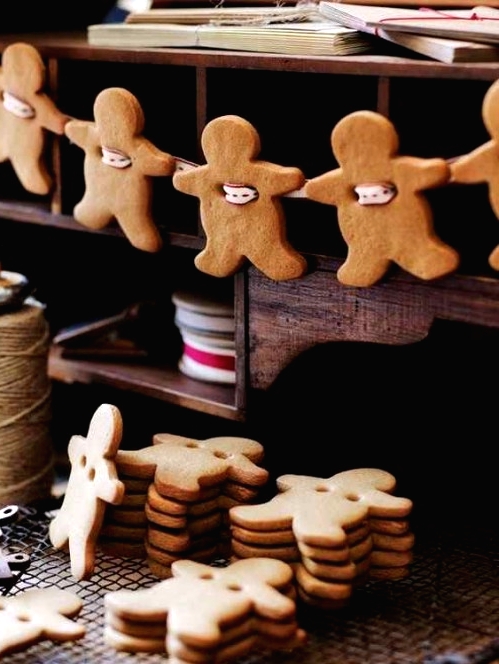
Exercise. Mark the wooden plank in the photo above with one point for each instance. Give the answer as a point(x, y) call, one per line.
point(287, 318)
point(164, 383)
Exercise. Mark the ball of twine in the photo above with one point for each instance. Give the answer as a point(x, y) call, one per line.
point(26, 450)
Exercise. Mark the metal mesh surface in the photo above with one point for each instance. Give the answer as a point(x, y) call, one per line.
point(449, 605)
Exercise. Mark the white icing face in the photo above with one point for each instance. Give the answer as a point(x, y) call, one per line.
point(17, 107)
point(239, 194)
point(115, 158)
point(375, 194)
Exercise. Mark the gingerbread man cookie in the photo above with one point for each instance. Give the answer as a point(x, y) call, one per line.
point(93, 482)
point(320, 510)
point(38, 614)
point(119, 164)
point(482, 164)
point(382, 213)
point(26, 114)
point(240, 208)
point(202, 610)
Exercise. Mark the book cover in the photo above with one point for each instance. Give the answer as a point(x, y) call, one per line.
point(236, 15)
point(479, 24)
point(441, 48)
point(436, 4)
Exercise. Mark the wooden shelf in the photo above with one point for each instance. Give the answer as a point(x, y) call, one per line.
point(76, 47)
point(39, 213)
point(160, 382)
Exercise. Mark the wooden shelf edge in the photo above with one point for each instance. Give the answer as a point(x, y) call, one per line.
point(160, 382)
point(74, 45)
point(39, 213)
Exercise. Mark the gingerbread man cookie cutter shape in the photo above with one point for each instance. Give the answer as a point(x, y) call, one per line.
point(482, 164)
point(240, 205)
point(27, 113)
point(318, 510)
point(383, 214)
point(36, 615)
point(118, 166)
point(206, 610)
point(93, 482)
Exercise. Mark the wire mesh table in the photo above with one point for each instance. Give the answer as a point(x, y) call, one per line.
point(445, 612)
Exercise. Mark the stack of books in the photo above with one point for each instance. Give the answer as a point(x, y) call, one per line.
point(439, 30)
point(442, 33)
point(291, 30)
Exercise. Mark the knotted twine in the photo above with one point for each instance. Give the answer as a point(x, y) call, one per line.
point(26, 450)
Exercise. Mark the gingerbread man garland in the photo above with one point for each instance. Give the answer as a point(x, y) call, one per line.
point(482, 164)
point(239, 203)
point(382, 213)
point(26, 114)
point(119, 164)
point(93, 482)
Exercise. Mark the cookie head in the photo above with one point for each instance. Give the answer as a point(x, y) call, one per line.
point(23, 70)
point(113, 103)
point(376, 142)
point(230, 139)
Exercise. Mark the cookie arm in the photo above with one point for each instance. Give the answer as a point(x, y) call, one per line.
point(49, 116)
point(327, 188)
point(420, 174)
point(153, 161)
point(191, 181)
point(109, 488)
point(477, 166)
point(283, 179)
point(79, 132)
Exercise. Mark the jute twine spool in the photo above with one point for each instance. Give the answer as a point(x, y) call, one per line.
point(26, 450)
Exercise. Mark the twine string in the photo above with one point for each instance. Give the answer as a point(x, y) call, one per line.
point(26, 453)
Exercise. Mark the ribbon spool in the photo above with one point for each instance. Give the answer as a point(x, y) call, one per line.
point(207, 327)
point(26, 450)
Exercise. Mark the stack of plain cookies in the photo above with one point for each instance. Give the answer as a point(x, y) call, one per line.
point(336, 533)
point(177, 495)
point(207, 614)
point(181, 504)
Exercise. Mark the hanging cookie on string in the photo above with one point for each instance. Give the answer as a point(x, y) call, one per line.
point(481, 165)
point(240, 206)
point(118, 167)
point(27, 115)
point(383, 214)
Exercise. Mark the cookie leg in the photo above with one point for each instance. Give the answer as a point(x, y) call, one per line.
point(429, 260)
point(85, 213)
point(140, 230)
point(218, 261)
point(58, 533)
point(362, 269)
point(494, 259)
point(34, 177)
point(279, 264)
